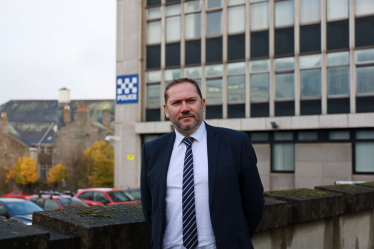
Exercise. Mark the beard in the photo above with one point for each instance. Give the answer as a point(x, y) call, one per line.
point(185, 128)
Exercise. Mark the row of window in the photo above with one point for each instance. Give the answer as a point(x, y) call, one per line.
point(45, 150)
point(283, 146)
point(44, 168)
point(310, 78)
point(310, 30)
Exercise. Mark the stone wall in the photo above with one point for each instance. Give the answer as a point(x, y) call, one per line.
point(327, 217)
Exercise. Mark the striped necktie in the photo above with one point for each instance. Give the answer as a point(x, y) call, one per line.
point(190, 239)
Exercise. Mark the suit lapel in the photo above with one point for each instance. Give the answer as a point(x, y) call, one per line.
point(166, 151)
point(213, 146)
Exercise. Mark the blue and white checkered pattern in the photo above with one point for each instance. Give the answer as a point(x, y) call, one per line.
point(127, 89)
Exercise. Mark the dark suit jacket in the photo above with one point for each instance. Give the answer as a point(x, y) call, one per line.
point(236, 198)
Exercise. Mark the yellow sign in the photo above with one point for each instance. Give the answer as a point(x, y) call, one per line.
point(130, 157)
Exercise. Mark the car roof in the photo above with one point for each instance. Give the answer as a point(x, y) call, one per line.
point(12, 200)
point(53, 197)
point(100, 189)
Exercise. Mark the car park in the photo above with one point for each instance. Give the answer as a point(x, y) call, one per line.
point(18, 209)
point(16, 194)
point(134, 192)
point(106, 196)
point(53, 200)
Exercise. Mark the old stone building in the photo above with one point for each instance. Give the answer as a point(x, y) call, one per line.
point(53, 131)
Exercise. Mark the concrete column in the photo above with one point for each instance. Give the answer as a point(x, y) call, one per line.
point(297, 54)
point(272, 54)
point(352, 61)
point(247, 59)
point(224, 59)
point(129, 61)
point(324, 56)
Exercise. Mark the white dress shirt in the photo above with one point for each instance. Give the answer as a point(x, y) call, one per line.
point(173, 237)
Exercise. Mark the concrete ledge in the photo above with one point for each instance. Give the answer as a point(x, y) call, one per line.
point(275, 215)
point(309, 204)
point(357, 198)
point(366, 184)
point(14, 234)
point(60, 240)
point(117, 226)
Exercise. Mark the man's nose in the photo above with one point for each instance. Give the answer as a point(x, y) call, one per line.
point(185, 107)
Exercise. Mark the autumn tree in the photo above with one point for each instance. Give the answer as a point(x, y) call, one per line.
point(56, 174)
point(26, 173)
point(98, 164)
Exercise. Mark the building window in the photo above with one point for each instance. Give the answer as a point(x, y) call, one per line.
point(236, 19)
point(153, 96)
point(49, 150)
point(338, 83)
point(260, 88)
point(364, 23)
point(193, 26)
point(364, 7)
point(213, 4)
point(153, 2)
point(154, 32)
point(310, 11)
point(365, 76)
point(42, 171)
point(308, 135)
point(236, 31)
point(154, 37)
point(338, 24)
point(284, 86)
point(259, 29)
point(259, 137)
point(42, 150)
point(173, 35)
point(259, 16)
point(193, 73)
point(214, 23)
point(192, 10)
point(236, 90)
point(171, 74)
point(214, 31)
point(310, 29)
point(339, 135)
point(364, 151)
point(283, 152)
point(310, 84)
point(284, 13)
point(214, 91)
point(337, 9)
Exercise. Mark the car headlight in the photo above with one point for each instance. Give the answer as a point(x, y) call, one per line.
point(29, 223)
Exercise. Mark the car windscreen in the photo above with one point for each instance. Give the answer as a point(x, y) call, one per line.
point(72, 202)
point(119, 196)
point(136, 194)
point(22, 208)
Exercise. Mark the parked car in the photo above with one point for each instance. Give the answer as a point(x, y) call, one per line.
point(134, 192)
point(55, 200)
point(106, 196)
point(16, 194)
point(18, 209)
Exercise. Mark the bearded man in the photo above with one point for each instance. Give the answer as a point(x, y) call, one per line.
point(200, 184)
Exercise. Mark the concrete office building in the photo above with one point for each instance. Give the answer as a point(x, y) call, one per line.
point(297, 76)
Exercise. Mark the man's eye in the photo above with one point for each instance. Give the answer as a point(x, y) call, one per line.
point(175, 103)
point(191, 101)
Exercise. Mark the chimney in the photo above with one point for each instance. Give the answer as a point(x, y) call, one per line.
point(106, 116)
point(4, 123)
point(63, 97)
point(66, 116)
point(81, 123)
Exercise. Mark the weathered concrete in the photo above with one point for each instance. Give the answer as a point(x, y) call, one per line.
point(118, 226)
point(275, 215)
point(14, 234)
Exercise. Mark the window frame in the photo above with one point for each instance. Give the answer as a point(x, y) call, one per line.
point(362, 64)
point(172, 16)
point(245, 23)
point(268, 20)
point(237, 74)
point(293, 13)
point(286, 71)
point(311, 68)
point(259, 72)
point(312, 22)
point(349, 77)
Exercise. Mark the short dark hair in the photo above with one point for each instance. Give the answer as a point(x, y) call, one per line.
point(179, 81)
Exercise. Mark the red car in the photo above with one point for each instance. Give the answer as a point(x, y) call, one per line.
point(16, 194)
point(55, 200)
point(106, 196)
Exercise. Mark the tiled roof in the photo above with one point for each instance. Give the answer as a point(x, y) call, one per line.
point(32, 133)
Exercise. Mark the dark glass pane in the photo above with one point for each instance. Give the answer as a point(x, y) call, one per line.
point(172, 1)
point(153, 2)
point(193, 52)
point(335, 106)
point(259, 110)
point(213, 111)
point(236, 47)
point(365, 31)
point(310, 38)
point(154, 56)
point(365, 104)
point(284, 41)
point(260, 44)
point(173, 54)
point(214, 50)
point(310, 107)
point(337, 35)
point(285, 108)
point(152, 115)
point(236, 111)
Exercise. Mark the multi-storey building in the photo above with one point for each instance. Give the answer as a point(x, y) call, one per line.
point(296, 75)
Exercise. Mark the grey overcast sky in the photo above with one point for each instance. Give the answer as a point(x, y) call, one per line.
point(46, 45)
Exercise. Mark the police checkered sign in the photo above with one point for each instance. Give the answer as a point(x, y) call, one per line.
point(127, 89)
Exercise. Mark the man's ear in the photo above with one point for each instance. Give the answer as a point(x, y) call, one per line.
point(203, 103)
point(166, 111)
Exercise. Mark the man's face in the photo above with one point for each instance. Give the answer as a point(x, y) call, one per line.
point(184, 108)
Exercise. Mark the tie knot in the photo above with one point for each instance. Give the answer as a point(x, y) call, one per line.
point(188, 140)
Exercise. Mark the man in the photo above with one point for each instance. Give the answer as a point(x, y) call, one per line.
point(200, 184)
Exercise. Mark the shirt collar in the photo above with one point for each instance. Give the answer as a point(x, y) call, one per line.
point(197, 135)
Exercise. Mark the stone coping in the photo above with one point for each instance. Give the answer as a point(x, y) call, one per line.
point(14, 234)
point(366, 184)
point(357, 198)
point(116, 226)
point(275, 215)
point(309, 204)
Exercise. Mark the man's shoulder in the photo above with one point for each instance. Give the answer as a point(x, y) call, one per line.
point(158, 142)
